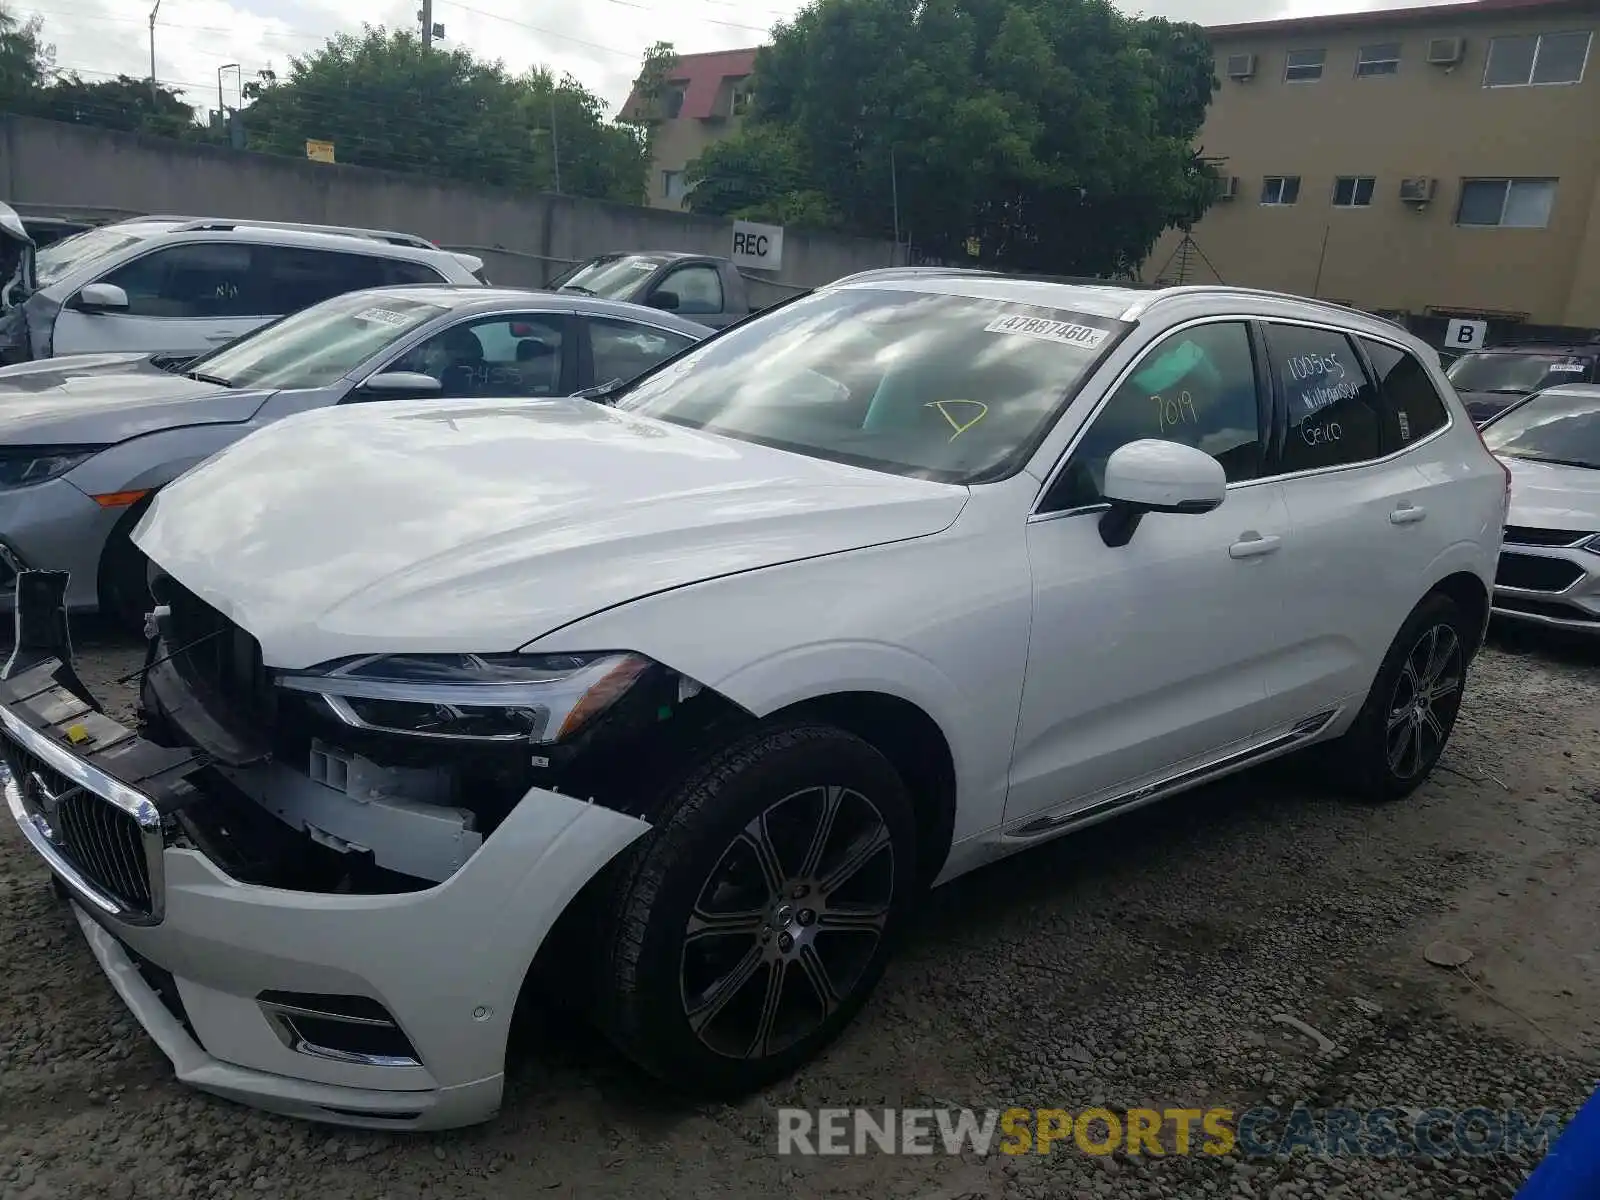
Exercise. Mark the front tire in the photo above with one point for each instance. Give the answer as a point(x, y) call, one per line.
point(747, 930)
point(1405, 724)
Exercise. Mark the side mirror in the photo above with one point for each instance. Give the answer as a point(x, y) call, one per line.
point(393, 384)
point(1152, 476)
point(665, 301)
point(101, 298)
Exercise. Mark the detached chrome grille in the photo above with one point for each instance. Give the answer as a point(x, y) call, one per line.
point(105, 844)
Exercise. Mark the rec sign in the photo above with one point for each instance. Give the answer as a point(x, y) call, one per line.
point(758, 247)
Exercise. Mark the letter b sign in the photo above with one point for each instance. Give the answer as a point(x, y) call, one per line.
point(1465, 335)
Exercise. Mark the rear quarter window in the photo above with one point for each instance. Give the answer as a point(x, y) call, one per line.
point(1410, 406)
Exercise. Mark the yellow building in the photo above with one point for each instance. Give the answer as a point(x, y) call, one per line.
point(1440, 161)
point(705, 99)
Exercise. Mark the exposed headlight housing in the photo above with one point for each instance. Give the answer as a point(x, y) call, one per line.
point(1592, 545)
point(533, 699)
point(24, 465)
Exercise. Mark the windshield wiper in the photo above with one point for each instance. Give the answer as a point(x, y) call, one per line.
point(202, 377)
point(577, 287)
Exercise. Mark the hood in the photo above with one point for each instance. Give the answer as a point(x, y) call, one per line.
point(1550, 496)
point(447, 525)
point(105, 398)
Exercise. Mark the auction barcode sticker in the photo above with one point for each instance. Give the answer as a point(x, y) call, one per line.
point(1050, 331)
point(383, 316)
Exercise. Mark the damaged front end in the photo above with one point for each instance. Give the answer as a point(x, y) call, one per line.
point(386, 774)
point(24, 325)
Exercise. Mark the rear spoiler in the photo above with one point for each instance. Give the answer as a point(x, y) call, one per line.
point(471, 262)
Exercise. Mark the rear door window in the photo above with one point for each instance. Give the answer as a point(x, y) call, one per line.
point(1410, 405)
point(1332, 406)
point(295, 277)
point(625, 349)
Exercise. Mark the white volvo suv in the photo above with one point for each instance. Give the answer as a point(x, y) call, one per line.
point(689, 689)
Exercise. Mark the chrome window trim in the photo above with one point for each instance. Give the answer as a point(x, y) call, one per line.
point(1213, 319)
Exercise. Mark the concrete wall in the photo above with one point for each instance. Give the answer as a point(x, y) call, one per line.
point(524, 239)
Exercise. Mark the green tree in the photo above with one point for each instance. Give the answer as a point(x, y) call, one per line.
point(386, 101)
point(25, 60)
point(122, 103)
point(1056, 134)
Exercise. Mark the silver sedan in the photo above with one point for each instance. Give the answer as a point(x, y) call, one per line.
point(86, 441)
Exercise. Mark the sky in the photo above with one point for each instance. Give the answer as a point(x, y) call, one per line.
point(598, 41)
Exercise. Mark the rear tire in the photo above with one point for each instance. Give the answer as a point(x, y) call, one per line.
point(748, 928)
point(124, 574)
point(1405, 723)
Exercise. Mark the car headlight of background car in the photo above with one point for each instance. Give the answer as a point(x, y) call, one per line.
point(1592, 545)
point(24, 465)
point(528, 698)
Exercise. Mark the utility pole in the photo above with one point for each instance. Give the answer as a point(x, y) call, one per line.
point(153, 94)
point(427, 24)
point(555, 141)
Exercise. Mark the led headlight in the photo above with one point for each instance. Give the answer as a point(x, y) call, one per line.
point(22, 465)
point(473, 697)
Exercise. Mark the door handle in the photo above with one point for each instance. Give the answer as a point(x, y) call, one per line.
point(1253, 545)
point(1407, 514)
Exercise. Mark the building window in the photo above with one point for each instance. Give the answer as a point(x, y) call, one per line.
point(672, 185)
point(1543, 59)
point(1304, 66)
point(1280, 189)
point(743, 95)
point(1512, 203)
point(1353, 191)
point(672, 101)
point(1382, 59)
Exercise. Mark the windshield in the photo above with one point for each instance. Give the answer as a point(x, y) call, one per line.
point(1559, 427)
point(937, 386)
point(59, 258)
point(318, 345)
point(613, 278)
point(1516, 372)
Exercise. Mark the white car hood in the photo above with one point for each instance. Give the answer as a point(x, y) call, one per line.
point(454, 525)
point(1551, 496)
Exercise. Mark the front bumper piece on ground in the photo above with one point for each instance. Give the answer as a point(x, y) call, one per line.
point(233, 981)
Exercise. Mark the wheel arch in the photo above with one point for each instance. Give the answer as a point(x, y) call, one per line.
point(1467, 590)
point(915, 746)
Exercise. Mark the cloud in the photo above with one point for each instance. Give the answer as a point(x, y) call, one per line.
point(600, 42)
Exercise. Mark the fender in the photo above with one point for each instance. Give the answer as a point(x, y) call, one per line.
point(879, 619)
point(154, 460)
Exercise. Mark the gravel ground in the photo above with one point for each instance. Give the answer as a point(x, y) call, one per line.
point(1144, 962)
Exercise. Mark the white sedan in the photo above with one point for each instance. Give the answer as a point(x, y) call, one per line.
point(1550, 567)
point(688, 692)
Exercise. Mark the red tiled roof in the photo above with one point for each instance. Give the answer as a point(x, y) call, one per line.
point(1393, 16)
point(702, 76)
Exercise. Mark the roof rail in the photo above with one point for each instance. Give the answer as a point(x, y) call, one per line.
point(990, 273)
point(378, 235)
point(1200, 289)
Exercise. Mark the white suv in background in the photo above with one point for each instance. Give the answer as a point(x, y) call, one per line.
point(183, 286)
point(688, 695)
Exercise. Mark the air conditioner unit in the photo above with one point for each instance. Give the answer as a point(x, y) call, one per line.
point(1445, 52)
point(1241, 66)
point(1417, 191)
point(1229, 189)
